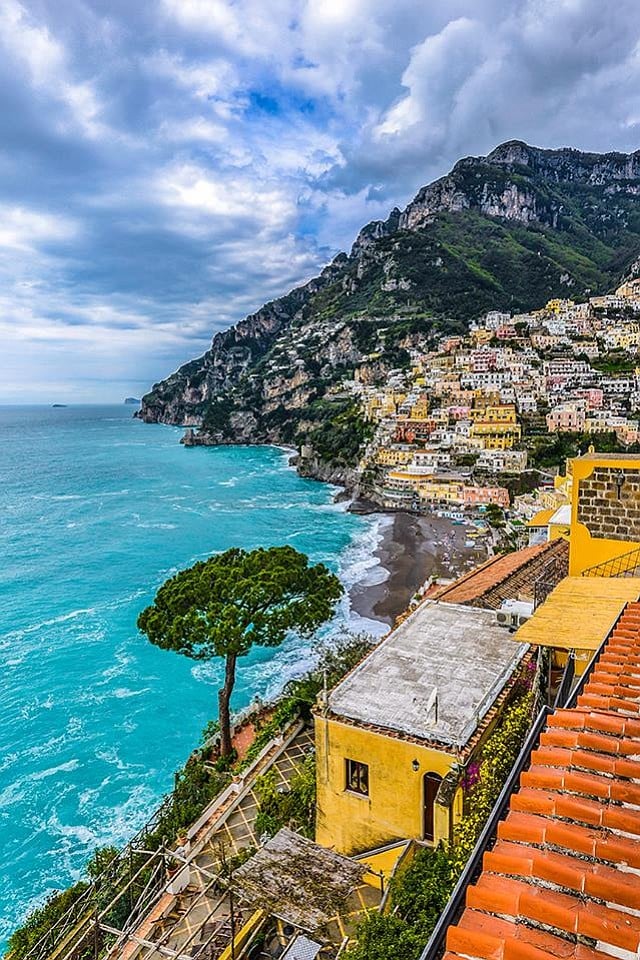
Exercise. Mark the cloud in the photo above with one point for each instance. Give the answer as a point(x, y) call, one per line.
point(26, 230)
point(166, 168)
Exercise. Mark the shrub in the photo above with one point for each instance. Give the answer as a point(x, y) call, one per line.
point(496, 760)
point(418, 897)
point(294, 808)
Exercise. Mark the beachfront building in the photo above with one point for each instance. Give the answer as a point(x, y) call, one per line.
point(475, 496)
point(419, 484)
point(394, 737)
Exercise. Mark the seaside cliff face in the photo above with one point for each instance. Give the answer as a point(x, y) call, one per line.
point(505, 231)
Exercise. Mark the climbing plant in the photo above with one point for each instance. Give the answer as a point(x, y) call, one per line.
point(294, 807)
point(420, 893)
point(496, 760)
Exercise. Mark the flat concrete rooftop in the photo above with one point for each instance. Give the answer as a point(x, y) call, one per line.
point(458, 651)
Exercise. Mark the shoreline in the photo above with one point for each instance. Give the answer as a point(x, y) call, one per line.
point(412, 549)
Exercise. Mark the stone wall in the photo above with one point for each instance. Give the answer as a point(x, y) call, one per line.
point(606, 513)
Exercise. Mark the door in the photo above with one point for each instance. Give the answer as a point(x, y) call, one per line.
point(431, 785)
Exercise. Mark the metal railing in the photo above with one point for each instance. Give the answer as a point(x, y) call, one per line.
point(566, 697)
point(550, 576)
point(624, 565)
point(72, 923)
point(456, 903)
point(566, 683)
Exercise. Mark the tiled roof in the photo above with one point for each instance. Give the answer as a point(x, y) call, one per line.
point(498, 570)
point(563, 878)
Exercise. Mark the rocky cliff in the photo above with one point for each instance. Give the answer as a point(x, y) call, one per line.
point(505, 231)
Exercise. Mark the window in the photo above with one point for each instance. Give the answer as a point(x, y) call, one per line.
point(357, 777)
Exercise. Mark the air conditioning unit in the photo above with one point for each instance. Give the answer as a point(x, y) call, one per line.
point(513, 613)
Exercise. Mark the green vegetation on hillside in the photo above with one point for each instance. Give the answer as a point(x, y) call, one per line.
point(551, 450)
point(339, 431)
point(520, 234)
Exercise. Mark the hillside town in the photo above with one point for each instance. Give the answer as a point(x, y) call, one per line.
point(468, 783)
point(484, 420)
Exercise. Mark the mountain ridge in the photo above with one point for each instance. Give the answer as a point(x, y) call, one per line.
point(505, 231)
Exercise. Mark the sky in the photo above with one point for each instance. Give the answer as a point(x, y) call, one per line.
point(167, 166)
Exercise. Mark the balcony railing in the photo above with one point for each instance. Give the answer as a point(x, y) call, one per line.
point(625, 565)
point(550, 576)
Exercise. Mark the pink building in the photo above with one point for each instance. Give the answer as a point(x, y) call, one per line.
point(476, 496)
point(567, 418)
point(594, 397)
point(483, 360)
point(459, 412)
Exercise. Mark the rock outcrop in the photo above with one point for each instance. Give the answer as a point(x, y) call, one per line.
point(505, 231)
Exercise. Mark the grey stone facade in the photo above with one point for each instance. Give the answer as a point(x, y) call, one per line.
point(609, 503)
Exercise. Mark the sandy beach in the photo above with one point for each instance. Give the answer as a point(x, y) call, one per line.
point(412, 549)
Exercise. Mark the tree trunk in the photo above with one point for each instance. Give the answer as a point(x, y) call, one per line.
point(224, 696)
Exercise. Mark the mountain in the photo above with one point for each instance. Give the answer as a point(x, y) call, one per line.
point(506, 231)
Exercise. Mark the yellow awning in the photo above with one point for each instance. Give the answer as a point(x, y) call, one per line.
point(579, 613)
point(541, 518)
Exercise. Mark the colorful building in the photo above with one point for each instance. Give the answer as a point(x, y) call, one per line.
point(496, 435)
point(567, 418)
point(394, 737)
point(473, 496)
point(605, 512)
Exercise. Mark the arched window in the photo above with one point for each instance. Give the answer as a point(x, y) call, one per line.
point(430, 786)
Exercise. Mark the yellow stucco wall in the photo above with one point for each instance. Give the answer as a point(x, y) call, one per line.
point(393, 810)
point(587, 551)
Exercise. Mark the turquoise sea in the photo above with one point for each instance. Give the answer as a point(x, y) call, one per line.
point(97, 510)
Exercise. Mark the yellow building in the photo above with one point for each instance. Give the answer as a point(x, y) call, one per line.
point(604, 559)
point(550, 524)
point(396, 734)
point(494, 413)
point(495, 425)
point(605, 512)
point(420, 408)
point(558, 306)
point(496, 436)
point(394, 456)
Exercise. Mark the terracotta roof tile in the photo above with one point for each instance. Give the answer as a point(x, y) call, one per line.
point(565, 867)
point(499, 569)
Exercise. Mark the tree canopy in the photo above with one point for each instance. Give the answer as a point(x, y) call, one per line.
point(223, 606)
point(237, 599)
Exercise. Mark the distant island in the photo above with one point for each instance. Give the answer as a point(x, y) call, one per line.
point(133, 401)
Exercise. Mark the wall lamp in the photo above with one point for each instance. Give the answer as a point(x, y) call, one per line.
point(618, 479)
point(415, 766)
